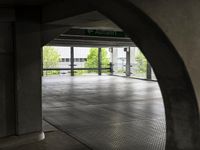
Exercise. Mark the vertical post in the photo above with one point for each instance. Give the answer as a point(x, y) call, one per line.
point(149, 77)
point(111, 68)
point(99, 61)
point(128, 63)
point(111, 62)
point(42, 66)
point(132, 60)
point(7, 102)
point(114, 59)
point(72, 61)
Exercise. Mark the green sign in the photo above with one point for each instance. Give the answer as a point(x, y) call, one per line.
point(105, 33)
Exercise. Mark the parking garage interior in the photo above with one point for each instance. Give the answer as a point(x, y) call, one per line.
point(113, 104)
point(105, 110)
point(146, 95)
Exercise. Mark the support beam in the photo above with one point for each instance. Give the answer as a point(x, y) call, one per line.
point(128, 63)
point(63, 10)
point(72, 61)
point(28, 73)
point(7, 101)
point(111, 63)
point(132, 60)
point(99, 61)
point(49, 32)
point(7, 14)
point(114, 59)
point(149, 70)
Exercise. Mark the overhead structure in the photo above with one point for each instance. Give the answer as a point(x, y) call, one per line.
point(167, 32)
point(92, 38)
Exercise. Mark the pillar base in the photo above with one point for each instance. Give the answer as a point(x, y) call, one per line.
point(14, 141)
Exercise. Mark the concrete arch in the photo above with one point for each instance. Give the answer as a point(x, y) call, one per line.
point(181, 108)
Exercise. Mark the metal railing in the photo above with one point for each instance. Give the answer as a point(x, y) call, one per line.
point(59, 69)
point(73, 69)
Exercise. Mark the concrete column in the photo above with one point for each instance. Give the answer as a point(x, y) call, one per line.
point(7, 104)
point(28, 73)
point(149, 71)
point(111, 61)
point(132, 59)
point(114, 59)
point(128, 71)
point(72, 60)
point(99, 61)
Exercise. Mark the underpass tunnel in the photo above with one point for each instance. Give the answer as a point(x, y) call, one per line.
point(146, 97)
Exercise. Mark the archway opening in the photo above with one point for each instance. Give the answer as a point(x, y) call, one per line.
point(177, 91)
point(102, 106)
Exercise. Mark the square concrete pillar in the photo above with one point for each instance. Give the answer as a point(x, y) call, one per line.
point(128, 65)
point(114, 59)
point(132, 59)
point(149, 71)
point(99, 61)
point(72, 60)
point(28, 77)
point(7, 104)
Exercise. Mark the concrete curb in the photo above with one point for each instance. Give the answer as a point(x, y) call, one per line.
point(14, 141)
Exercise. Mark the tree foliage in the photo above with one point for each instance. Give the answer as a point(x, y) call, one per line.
point(141, 62)
point(50, 59)
point(92, 59)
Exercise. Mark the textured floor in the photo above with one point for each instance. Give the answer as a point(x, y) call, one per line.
point(106, 113)
point(54, 140)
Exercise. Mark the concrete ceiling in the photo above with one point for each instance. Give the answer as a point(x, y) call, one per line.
point(91, 20)
point(77, 13)
point(24, 2)
point(69, 14)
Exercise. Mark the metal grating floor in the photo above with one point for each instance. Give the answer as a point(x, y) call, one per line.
point(106, 113)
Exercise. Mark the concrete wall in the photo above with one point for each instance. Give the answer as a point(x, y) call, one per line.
point(7, 108)
point(180, 21)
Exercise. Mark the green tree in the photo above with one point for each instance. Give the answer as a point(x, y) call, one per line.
point(92, 59)
point(50, 59)
point(141, 62)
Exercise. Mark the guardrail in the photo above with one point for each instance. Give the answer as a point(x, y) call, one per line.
point(49, 69)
